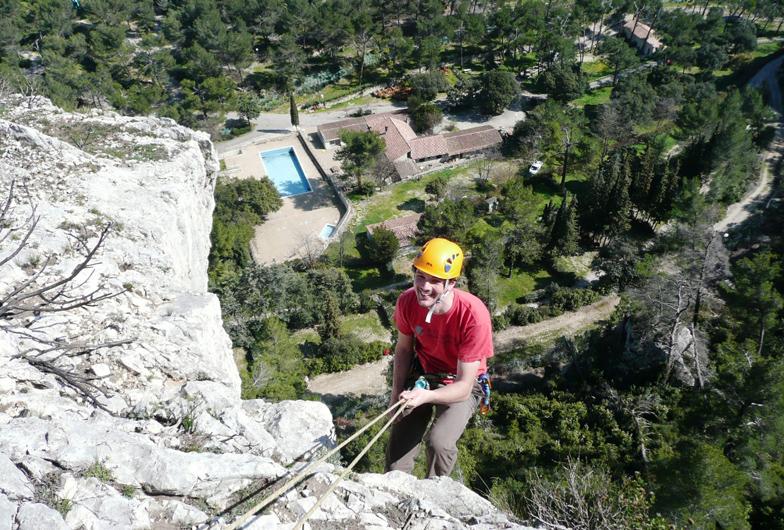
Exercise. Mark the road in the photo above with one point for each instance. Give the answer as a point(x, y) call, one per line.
point(753, 200)
point(271, 125)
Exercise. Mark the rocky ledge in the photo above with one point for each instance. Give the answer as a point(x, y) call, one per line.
point(119, 396)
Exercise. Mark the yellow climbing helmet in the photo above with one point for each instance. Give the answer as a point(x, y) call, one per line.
point(441, 258)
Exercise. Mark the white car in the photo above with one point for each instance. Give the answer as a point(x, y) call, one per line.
point(535, 167)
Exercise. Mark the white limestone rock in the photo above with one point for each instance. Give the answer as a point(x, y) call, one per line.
point(300, 427)
point(7, 513)
point(37, 516)
point(13, 483)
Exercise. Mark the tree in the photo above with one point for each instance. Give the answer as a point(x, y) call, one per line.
point(711, 56)
point(293, 112)
point(363, 32)
point(565, 231)
point(358, 152)
point(248, 106)
point(755, 288)
point(424, 115)
point(619, 55)
point(448, 219)
point(499, 89)
point(330, 319)
point(426, 86)
point(521, 245)
point(563, 83)
point(382, 246)
point(437, 187)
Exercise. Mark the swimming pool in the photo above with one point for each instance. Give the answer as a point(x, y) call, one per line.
point(327, 232)
point(285, 172)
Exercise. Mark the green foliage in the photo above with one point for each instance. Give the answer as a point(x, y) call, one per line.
point(449, 219)
point(703, 488)
point(358, 152)
point(275, 369)
point(425, 87)
point(424, 115)
point(563, 83)
point(340, 353)
point(382, 246)
point(293, 112)
point(249, 106)
point(437, 187)
point(239, 206)
point(100, 471)
point(499, 89)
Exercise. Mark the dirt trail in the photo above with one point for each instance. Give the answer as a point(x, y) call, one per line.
point(566, 324)
point(740, 211)
point(367, 379)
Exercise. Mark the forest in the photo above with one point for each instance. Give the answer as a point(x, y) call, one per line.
point(670, 413)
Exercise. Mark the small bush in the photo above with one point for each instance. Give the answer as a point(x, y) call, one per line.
point(522, 315)
point(99, 471)
point(568, 299)
point(343, 353)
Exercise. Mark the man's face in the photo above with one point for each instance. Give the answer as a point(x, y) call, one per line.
point(428, 288)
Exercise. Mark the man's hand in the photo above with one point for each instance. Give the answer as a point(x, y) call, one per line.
point(416, 397)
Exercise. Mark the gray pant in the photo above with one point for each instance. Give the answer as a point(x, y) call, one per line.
point(449, 423)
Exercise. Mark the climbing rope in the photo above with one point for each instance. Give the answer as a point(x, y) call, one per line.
point(299, 476)
point(334, 485)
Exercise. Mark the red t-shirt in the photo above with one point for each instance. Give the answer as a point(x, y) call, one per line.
point(463, 333)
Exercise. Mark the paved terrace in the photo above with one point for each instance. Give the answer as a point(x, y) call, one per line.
point(294, 229)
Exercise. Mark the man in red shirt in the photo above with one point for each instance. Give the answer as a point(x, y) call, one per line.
point(445, 334)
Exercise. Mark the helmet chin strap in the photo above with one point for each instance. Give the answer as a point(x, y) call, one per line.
point(429, 316)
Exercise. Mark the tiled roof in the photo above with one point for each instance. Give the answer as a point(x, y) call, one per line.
point(331, 131)
point(404, 228)
point(396, 144)
point(473, 139)
point(428, 146)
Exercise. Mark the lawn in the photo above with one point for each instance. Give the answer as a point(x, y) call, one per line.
point(521, 283)
point(595, 69)
point(596, 97)
point(365, 326)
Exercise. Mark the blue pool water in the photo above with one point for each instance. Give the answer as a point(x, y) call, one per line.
point(283, 169)
point(327, 232)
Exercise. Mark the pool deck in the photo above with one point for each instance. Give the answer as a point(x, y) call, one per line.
point(292, 231)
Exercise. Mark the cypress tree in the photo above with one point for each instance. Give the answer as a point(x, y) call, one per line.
point(293, 112)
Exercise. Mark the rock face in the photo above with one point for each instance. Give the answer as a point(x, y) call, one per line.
point(121, 408)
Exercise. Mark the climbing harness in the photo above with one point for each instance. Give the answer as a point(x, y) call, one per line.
point(485, 385)
point(310, 467)
point(424, 380)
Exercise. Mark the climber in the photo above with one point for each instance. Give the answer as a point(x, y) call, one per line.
point(445, 336)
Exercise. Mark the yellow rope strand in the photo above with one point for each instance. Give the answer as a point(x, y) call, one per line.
point(334, 485)
point(299, 476)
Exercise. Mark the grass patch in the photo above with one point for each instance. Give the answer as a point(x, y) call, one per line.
point(595, 69)
point(579, 265)
point(520, 284)
point(364, 326)
point(595, 97)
